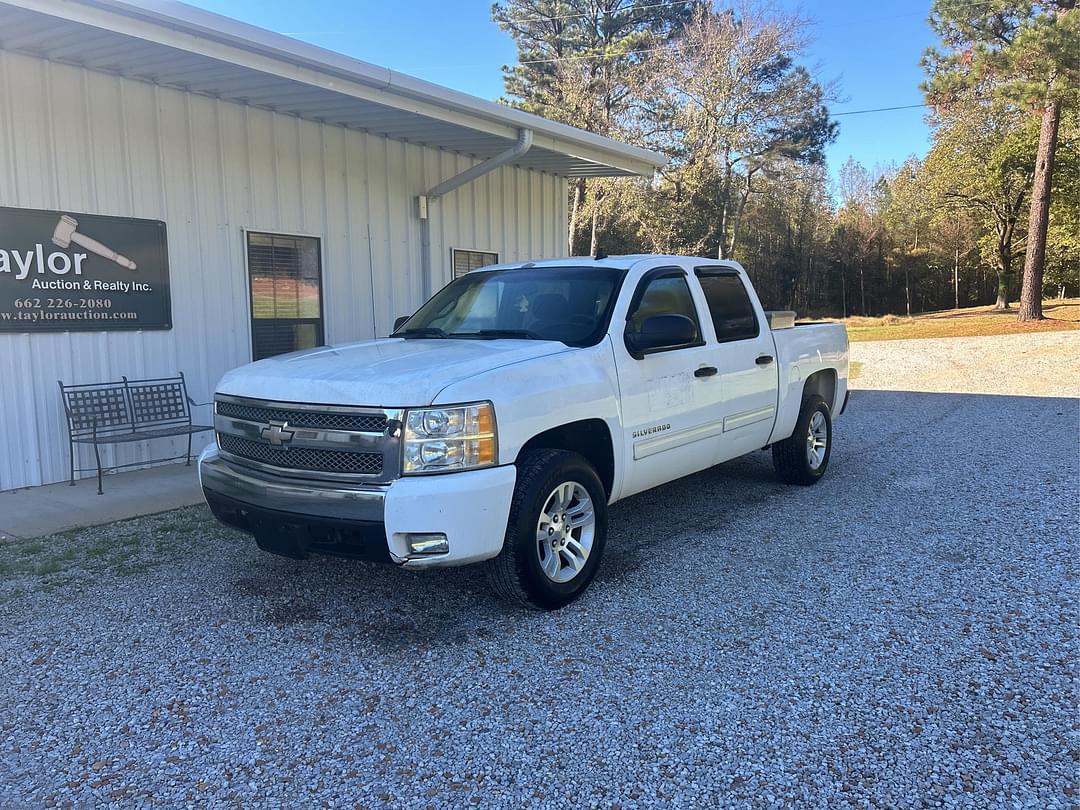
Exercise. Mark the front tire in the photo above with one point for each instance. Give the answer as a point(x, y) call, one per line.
point(556, 532)
point(803, 457)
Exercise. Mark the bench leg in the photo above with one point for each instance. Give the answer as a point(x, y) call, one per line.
point(71, 463)
point(188, 462)
point(97, 458)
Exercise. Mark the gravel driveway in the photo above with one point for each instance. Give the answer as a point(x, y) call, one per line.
point(1042, 364)
point(902, 634)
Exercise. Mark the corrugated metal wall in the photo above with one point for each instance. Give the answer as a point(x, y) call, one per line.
point(80, 141)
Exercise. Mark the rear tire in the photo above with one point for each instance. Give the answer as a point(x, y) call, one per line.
point(803, 457)
point(556, 532)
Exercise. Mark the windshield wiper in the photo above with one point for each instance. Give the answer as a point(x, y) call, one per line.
point(523, 334)
point(421, 332)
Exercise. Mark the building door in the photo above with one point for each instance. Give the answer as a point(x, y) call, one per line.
point(285, 276)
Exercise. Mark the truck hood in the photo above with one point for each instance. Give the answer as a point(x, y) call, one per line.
point(387, 373)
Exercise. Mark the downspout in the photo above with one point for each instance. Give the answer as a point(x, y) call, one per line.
point(423, 202)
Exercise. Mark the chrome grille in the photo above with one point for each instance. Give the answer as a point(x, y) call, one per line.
point(325, 420)
point(302, 458)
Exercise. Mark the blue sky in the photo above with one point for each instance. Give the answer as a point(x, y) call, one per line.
point(872, 50)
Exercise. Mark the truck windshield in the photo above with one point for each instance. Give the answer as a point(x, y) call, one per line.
point(568, 304)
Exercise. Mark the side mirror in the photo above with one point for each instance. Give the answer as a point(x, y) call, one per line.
point(400, 322)
point(659, 332)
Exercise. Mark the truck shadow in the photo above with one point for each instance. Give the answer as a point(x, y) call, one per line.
point(894, 451)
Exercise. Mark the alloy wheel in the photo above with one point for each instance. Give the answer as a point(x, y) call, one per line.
point(565, 531)
point(817, 440)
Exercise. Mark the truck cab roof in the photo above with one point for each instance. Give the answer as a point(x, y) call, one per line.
point(623, 262)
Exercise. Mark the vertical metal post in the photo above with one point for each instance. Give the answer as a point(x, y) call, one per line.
point(97, 458)
point(71, 442)
point(956, 267)
point(427, 282)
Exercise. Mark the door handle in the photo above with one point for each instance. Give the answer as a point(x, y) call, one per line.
point(764, 359)
point(705, 371)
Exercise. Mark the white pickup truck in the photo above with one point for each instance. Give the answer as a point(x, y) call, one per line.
point(500, 421)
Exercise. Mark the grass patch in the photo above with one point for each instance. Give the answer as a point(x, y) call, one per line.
point(971, 322)
point(854, 369)
point(36, 561)
point(119, 549)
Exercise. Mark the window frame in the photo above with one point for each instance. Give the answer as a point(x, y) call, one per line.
point(720, 270)
point(320, 255)
point(454, 250)
point(657, 273)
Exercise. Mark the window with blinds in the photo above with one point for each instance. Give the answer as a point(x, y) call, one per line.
point(465, 260)
point(286, 293)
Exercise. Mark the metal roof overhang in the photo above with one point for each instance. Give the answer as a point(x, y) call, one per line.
point(175, 45)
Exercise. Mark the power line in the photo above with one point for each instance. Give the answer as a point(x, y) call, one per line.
point(811, 21)
point(598, 55)
point(546, 60)
point(669, 46)
point(879, 109)
point(628, 9)
point(619, 10)
point(544, 18)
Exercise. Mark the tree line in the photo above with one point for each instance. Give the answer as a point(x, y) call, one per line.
point(991, 214)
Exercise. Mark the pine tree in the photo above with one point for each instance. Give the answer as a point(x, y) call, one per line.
point(1025, 52)
point(575, 63)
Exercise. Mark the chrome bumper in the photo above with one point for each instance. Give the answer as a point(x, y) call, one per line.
point(364, 521)
point(363, 504)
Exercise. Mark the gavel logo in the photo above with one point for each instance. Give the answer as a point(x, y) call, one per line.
point(65, 233)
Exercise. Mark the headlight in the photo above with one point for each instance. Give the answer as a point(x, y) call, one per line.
point(461, 437)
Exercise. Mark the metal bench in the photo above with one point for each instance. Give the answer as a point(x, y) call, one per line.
point(127, 411)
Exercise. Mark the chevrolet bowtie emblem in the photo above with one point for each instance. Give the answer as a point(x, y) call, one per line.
point(277, 433)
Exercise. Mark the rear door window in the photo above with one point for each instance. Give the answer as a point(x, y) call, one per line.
point(730, 308)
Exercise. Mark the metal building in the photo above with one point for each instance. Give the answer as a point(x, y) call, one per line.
point(271, 195)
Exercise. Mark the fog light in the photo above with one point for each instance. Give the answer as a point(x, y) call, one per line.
point(427, 543)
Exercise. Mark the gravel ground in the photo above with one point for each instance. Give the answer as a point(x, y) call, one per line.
point(903, 634)
point(1045, 364)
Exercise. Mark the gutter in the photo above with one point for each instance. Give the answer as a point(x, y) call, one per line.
point(423, 202)
point(524, 142)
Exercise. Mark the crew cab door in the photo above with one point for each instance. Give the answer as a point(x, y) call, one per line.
point(670, 393)
point(746, 356)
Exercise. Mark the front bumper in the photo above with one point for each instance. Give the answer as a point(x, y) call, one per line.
point(369, 522)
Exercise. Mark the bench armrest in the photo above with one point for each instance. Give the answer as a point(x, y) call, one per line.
point(195, 404)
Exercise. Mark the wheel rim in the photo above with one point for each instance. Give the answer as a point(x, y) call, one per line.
point(817, 440)
point(565, 532)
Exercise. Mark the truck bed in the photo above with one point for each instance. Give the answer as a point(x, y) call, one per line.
point(803, 350)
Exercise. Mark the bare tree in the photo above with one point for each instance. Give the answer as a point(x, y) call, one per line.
point(730, 93)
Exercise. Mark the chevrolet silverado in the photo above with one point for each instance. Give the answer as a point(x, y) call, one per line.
point(498, 423)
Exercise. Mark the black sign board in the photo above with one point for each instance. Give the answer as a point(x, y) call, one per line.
point(62, 271)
